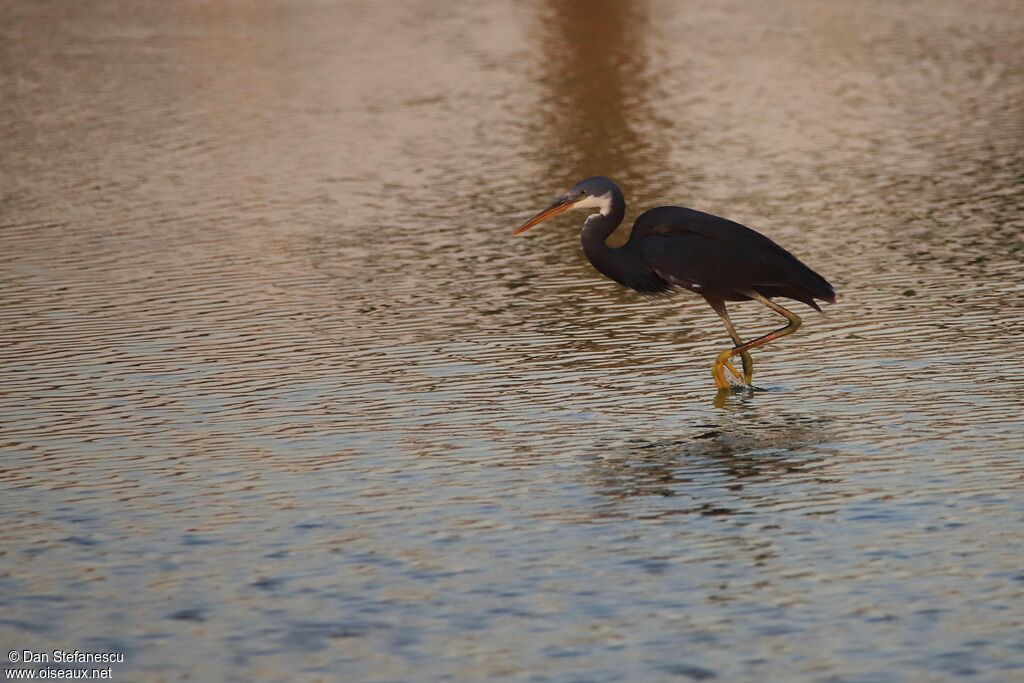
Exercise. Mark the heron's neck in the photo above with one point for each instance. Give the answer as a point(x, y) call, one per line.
point(600, 226)
point(596, 231)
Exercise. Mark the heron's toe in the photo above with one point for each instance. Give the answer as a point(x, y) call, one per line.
point(718, 372)
point(732, 369)
point(718, 369)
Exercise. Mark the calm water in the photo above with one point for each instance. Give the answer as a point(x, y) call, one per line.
point(282, 400)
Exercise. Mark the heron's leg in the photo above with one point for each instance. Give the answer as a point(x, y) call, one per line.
point(748, 363)
point(793, 326)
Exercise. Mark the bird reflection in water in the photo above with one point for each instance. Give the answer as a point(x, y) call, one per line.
point(743, 450)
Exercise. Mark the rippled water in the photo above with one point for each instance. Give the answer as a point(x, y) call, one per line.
point(281, 399)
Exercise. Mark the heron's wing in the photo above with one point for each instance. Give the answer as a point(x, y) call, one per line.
point(712, 261)
point(723, 258)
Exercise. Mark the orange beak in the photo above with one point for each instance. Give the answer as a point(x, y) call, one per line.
point(560, 206)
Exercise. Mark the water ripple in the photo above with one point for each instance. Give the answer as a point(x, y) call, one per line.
point(279, 389)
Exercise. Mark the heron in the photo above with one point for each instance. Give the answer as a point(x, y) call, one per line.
point(672, 247)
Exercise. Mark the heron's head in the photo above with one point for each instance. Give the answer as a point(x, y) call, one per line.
point(593, 193)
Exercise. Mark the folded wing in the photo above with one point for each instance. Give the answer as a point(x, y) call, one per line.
point(722, 259)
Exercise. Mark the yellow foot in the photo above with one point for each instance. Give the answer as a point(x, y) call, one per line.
point(718, 369)
point(732, 369)
point(723, 363)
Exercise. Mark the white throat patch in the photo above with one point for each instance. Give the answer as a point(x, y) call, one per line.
point(601, 202)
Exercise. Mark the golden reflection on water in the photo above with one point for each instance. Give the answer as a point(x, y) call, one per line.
point(596, 115)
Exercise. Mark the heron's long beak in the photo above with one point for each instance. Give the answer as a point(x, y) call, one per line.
point(560, 206)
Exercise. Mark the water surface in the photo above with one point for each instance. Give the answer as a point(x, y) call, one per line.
point(281, 399)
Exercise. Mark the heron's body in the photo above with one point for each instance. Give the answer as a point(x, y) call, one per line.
point(674, 247)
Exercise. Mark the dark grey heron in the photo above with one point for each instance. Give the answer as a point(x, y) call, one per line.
point(674, 247)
